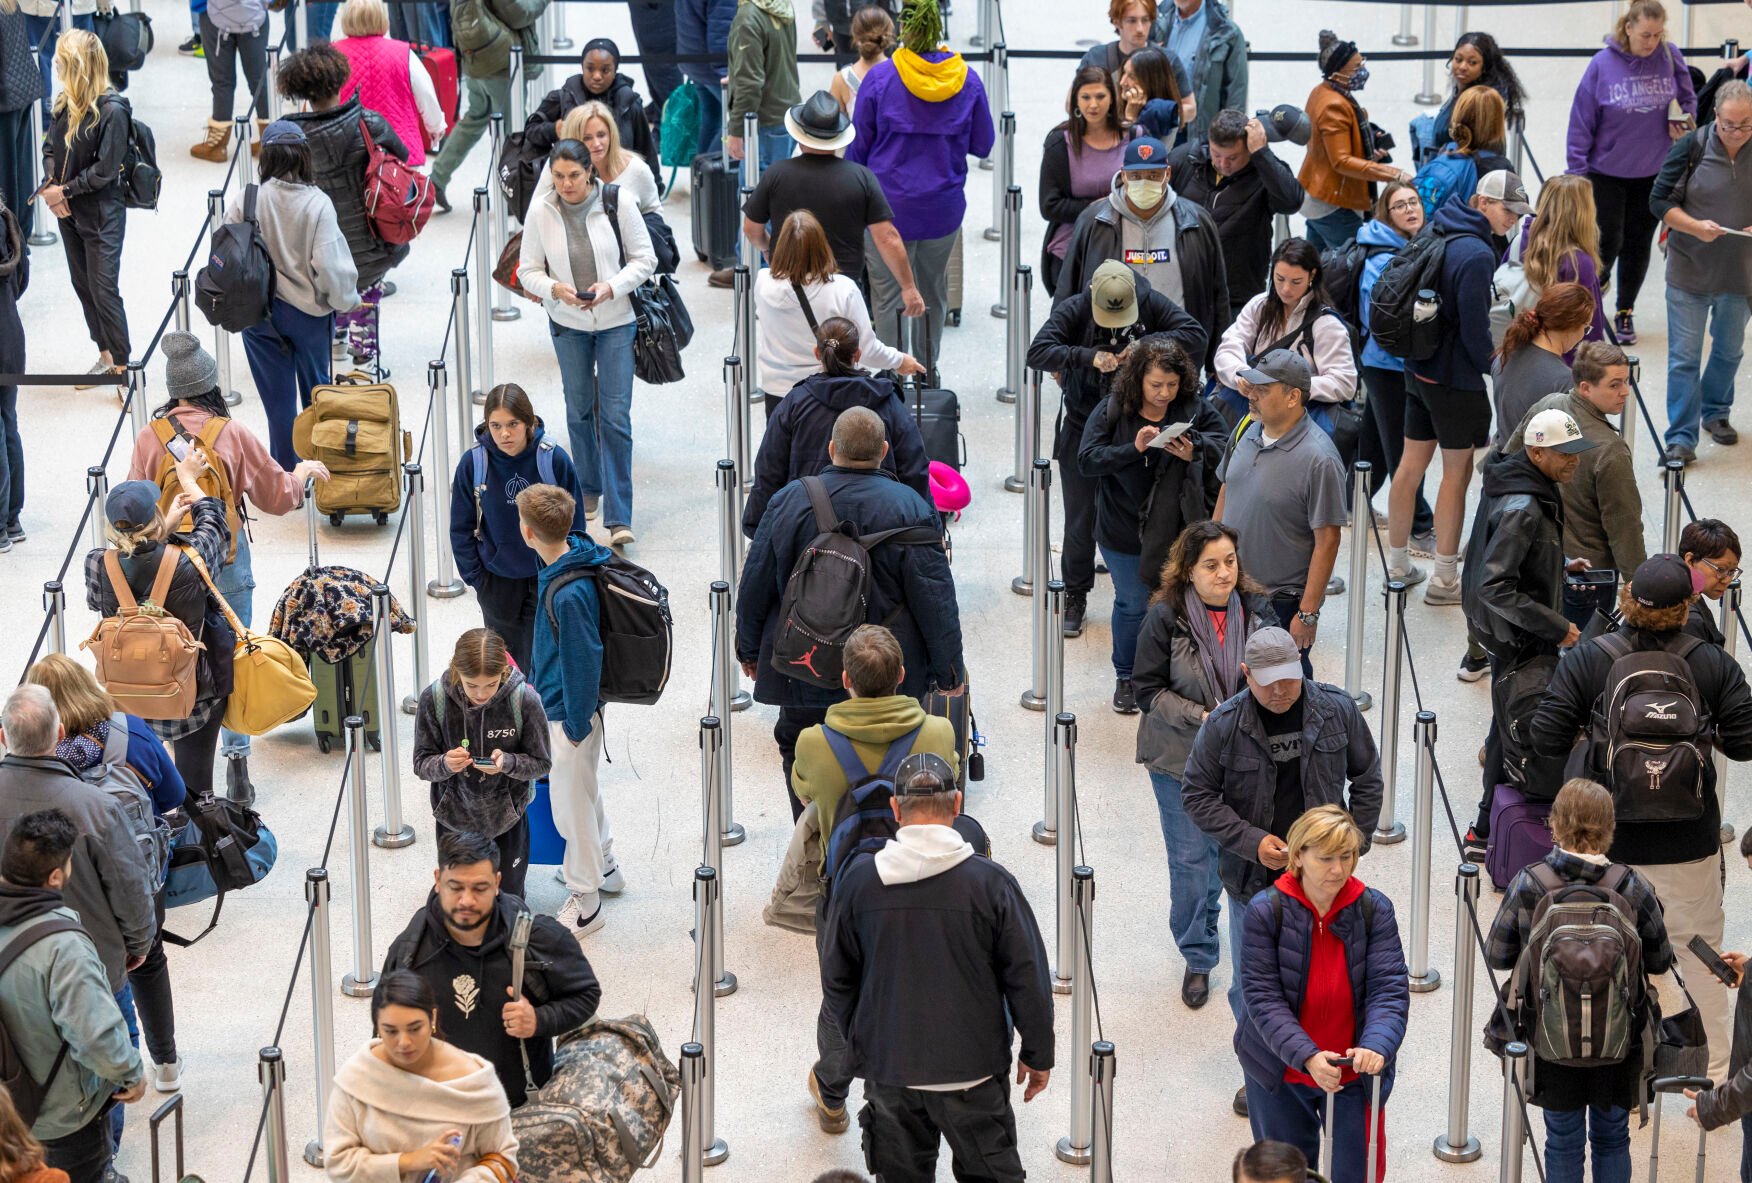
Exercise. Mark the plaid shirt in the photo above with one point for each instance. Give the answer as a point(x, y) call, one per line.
point(1508, 934)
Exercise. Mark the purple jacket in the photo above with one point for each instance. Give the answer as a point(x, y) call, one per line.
point(919, 150)
point(1618, 121)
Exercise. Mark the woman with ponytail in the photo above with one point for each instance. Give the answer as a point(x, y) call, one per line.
point(1530, 364)
point(1561, 244)
point(795, 443)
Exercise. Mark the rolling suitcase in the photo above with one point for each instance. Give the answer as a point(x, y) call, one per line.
point(717, 213)
point(937, 411)
point(970, 764)
point(1374, 1165)
point(343, 689)
point(440, 63)
point(1520, 834)
point(353, 425)
point(1674, 1084)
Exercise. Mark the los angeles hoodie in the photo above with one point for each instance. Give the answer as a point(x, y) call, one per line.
point(1618, 119)
point(377, 1112)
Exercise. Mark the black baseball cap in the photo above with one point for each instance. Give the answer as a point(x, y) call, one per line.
point(1663, 581)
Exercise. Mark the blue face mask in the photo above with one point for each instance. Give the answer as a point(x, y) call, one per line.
point(1360, 78)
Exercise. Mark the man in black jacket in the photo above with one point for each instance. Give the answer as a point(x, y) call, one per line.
point(928, 957)
point(1081, 344)
point(460, 942)
point(1680, 858)
point(1237, 178)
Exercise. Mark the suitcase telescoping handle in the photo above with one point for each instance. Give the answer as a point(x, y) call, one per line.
point(1676, 1084)
point(1374, 1121)
point(173, 1105)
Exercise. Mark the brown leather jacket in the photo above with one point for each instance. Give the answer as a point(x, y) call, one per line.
point(1335, 170)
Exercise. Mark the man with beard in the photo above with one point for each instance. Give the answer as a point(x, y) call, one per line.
point(461, 944)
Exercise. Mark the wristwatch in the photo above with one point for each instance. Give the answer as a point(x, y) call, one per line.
point(1309, 618)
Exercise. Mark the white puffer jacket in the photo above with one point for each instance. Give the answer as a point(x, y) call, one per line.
point(1330, 361)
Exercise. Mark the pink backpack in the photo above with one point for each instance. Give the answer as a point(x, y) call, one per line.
point(398, 200)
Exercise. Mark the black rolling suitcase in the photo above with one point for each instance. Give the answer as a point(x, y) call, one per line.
point(717, 210)
point(937, 411)
point(959, 711)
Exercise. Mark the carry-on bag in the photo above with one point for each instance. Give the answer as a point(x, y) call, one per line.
point(270, 685)
point(935, 410)
point(345, 688)
point(1374, 1166)
point(353, 425)
point(145, 657)
point(1520, 834)
point(440, 63)
point(717, 214)
point(958, 710)
point(224, 846)
point(1676, 1084)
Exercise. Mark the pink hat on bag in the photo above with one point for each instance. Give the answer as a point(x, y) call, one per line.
point(948, 488)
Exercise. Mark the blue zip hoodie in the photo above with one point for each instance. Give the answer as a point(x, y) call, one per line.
point(1375, 232)
point(569, 676)
point(500, 549)
point(1463, 358)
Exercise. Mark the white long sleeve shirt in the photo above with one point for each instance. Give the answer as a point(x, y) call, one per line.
point(787, 347)
point(1331, 362)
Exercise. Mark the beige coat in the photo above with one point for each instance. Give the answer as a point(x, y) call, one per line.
point(377, 1112)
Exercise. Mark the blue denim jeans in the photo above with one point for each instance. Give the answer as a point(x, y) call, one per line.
point(1333, 230)
point(776, 144)
point(1690, 401)
point(1130, 598)
point(596, 369)
point(1194, 890)
point(1606, 1130)
point(125, 1001)
point(709, 97)
point(319, 19)
point(236, 582)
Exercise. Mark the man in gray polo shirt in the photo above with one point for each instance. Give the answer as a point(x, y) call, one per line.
point(1283, 491)
point(1709, 270)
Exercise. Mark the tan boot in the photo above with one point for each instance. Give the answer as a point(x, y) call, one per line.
point(213, 147)
point(255, 145)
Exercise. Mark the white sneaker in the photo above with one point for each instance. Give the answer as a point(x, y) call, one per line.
point(581, 914)
point(614, 882)
point(620, 535)
point(103, 374)
point(167, 1078)
point(1411, 576)
point(1442, 592)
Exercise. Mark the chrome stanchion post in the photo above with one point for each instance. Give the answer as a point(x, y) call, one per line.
point(394, 833)
point(1462, 21)
point(271, 1071)
point(1101, 1070)
point(137, 412)
point(1009, 249)
point(1673, 481)
point(1424, 976)
point(465, 386)
point(40, 234)
point(65, 15)
point(310, 519)
point(363, 978)
point(1730, 626)
point(1627, 417)
point(501, 306)
point(1362, 514)
point(1429, 96)
point(1387, 830)
point(221, 338)
point(750, 149)
point(240, 139)
point(558, 28)
point(1074, 1146)
point(97, 491)
point(1517, 143)
point(1405, 36)
point(55, 604)
point(707, 916)
point(1006, 144)
point(1028, 406)
point(742, 280)
point(729, 571)
point(693, 1074)
point(322, 1003)
point(712, 827)
point(519, 89)
point(179, 291)
point(1064, 759)
point(274, 101)
point(1456, 1145)
point(1040, 562)
point(300, 17)
point(416, 582)
point(738, 420)
point(1012, 372)
point(484, 258)
point(1514, 1118)
point(444, 584)
point(724, 681)
point(982, 34)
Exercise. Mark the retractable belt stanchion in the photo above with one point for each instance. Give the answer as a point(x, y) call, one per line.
point(271, 1071)
point(394, 833)
point(693, 1076)
point(1673, 481)
point(55, 604)
point(730, 571)
point(300, 17)
point(1006, 145)
point(1730, 619)
point(1456, 1145)
point(1027, 416)
point(561, 39)
point(417, 609)
point(221, 338)
point(363, 978)
point(1387, 830)
point(750, 149)
point(1064, 740)
point(322, 1003)
point(712, 833)
point(1429, 96)
point(464, 346)
point(1040, 560)
point(503, 308)
point(40, 234)
point(273, 67)
point(1009, 254)
point(738, 418)
point(310, 519)
point(1074, 1147)
point(444, 584)
point(179, 291)
point(484, 259)
point(746, 329)
point(1462, 22)
point(1514, 1118)
point(519, 89)
point(1361, 515)
point(1627, 417)
point(1102, 1067)
point(97, 489)
point(1405, 36)
point(982, 35)
point(708, 914)
point(1424, 977)
point(137, 412)
point(724, 691)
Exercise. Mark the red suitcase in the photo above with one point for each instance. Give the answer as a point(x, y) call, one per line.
point(440, 63)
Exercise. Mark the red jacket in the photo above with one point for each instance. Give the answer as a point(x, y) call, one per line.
point(1328, 1011)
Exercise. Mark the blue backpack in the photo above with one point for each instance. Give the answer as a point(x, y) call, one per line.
point(1448, 174)
point(863, 820)
point(544, 468)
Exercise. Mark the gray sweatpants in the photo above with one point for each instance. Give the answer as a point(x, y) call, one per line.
point(929, 258)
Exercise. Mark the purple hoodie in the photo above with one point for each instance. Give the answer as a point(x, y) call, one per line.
point(1618, 121)
point(919, 150)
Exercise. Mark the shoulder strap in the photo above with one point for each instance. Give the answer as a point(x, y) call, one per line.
point(544, 462)
point(808, 312)
point(115, 745)
point(164, 430)
point(1682, 646)
point(825, 520)
point(553, 589)
point(166, 573)
point(897, 751)
point(112, 565)
point(478, 459)
point(1616, 876)
point(209, 437)
point(249, 205)
point(24, 939)
point(611, 207)
point(1545, 876)
point(851, 764)
point(1277, 909)
point(237, 627)
point(1615, 644)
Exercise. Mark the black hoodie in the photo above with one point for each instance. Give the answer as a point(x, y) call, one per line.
point(471, 985)
point(1512, 583)
point(621, 98)
point(19, 904)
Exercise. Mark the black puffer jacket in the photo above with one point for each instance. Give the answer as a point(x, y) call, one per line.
point(1512, 583)
point(622, 99)
point(337, 148)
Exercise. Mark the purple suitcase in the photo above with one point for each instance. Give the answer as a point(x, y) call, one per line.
point(1520, 834)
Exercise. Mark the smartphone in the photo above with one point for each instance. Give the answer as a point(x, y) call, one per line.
point(178, 447)
point(485, 765)
point(1713, 962)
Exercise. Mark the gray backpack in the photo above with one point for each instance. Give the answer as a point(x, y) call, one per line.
point(114, 776)
point(237, 17)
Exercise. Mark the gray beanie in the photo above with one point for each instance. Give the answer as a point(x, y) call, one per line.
point(189, 370)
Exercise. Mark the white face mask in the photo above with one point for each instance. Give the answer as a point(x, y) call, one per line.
point(1145, 194)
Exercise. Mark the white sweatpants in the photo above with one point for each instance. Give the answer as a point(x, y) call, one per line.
point(1691, 903)
point(577, 805)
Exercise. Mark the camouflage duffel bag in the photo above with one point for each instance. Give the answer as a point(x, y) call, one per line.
point(602, 1114)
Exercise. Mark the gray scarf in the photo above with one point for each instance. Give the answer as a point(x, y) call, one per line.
point(1222, 663)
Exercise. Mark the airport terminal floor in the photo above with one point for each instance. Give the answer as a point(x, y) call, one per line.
point(1176, 1071)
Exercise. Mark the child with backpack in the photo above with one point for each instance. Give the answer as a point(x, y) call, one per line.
point(481, 738)
point(1595, 926)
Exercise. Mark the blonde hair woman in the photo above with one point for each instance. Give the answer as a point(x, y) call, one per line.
point(388, 78)
point(82, 170)
point(1560, 243)
point(593, 125)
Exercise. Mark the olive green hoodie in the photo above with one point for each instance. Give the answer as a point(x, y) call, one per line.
point(871, 724)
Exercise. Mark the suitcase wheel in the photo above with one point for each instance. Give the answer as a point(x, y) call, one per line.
point(701, 255)
point(374, 741)
point(952, 318)
point(322, 744)
point(381, 518)
point(336, 519)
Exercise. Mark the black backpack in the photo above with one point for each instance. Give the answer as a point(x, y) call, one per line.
point(1393, 320)
point(141, 180)
point(236, 288)
point(127, 38)
point(520, 165)
point(1649, 743)
point(1341, 276)
point(827, 595)
point(637, 630)
point(27, 1095)
point(1514, 697)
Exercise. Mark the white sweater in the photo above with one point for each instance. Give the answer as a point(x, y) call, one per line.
point(378, 1112)
point(545, 261)
point(1332, 365)
point(787, 347)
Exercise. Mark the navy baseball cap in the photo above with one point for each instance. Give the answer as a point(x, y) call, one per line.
point(1146, 152)
point(131, 504)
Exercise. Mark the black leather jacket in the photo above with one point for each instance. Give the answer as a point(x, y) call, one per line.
point(1512, 583)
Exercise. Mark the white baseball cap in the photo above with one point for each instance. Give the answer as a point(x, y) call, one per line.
point(1555, 429)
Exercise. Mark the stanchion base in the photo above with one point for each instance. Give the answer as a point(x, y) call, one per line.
point(233, 398)
point(986, 165)
point(478, 397)
point(716, 1153)
point(1002, 312)
point(42, 240)
point(740, 701)
point(1431, 980)
point(1067, 1152)
point(1727, 833)
point(1363, 700)
point(504, 314)
point(1006, 397)
point(381, 837)
point(724, 986)
point(313, 1153)
point(444, 591)
point(1022, 585)
point(354, 987)
point(1393, 835)
point(1402, 40)
point(1061, 986)
point(1032, 701)
point(992, 234)
point(735, 835)
point(1045, 835)
point(1012, 484)
point(410, 705)
point(1471, 1151)
point(564, 43)
point(1427, 100)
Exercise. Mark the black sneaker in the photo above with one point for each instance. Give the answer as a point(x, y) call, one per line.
point(1125, 702)
point(15, 531)
point(1239, 1104)
point(1472, 847)
point(192, 47)
point(438, 198)
point(1683, 453)
point(1076, 607)
point(1473, 668)
point(1722, 432)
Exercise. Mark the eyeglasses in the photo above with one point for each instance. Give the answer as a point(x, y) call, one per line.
point(1738, 129)
point(1400, 207)
point(1728, 573)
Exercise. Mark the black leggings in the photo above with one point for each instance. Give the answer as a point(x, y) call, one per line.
point(1384, 445)
point(1627, 232)
point(194, 753)
point(152, 998)
point(92, 238)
